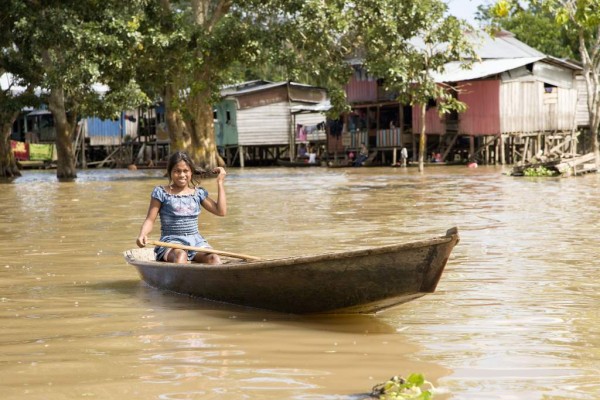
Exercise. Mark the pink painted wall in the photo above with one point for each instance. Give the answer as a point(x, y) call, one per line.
point(361, 90)
point(483, 108)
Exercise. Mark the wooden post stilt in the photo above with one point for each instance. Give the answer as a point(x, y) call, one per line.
point(471, 146)
point(502, 150)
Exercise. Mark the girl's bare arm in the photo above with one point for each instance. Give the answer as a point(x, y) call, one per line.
point(148, 223)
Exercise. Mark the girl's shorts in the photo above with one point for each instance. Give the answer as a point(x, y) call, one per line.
point(195, 240)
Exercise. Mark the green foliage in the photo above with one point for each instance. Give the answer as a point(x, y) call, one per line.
point(187, 50)
point(199, 46)
point(548, 39)
point(190, 50)
point(539, 171)
point(411, 388)
point(521, 22)
point(73, 45)
point(559, 25)
point(406, 42)
point(241, 40)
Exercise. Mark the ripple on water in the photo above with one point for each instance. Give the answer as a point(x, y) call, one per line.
point(514, 316)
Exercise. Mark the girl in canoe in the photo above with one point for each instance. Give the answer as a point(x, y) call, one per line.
point(179, 204)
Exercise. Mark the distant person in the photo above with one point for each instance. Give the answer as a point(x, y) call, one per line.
point(302, 152)
point(323, 153)
point(403, 156)
point(179, 205)
point(351, 158)
point(363, 155)
point(312, 155)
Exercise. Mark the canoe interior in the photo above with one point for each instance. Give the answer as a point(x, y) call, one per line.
point(358, 281)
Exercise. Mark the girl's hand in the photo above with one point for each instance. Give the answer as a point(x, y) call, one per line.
point(141, 241)
point(220, 171)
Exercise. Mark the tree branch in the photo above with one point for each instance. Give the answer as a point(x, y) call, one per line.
point(222, 9)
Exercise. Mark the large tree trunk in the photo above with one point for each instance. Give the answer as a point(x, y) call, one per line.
point(174, 120)
point(422, 139)
point(65, 167)
point(203, 146)
point(8, 163)
point(199, 119)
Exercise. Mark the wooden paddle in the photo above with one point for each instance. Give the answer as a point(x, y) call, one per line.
point(203, 250)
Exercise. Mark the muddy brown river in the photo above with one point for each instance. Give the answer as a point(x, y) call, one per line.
point(516, 314)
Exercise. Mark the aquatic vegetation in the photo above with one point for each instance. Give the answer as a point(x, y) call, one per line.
point(539, 171)
point(398, 388)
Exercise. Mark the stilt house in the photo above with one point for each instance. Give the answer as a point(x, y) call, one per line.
point(256, 121)
point(520, 102)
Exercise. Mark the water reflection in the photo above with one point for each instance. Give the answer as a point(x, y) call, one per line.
point(515, 315)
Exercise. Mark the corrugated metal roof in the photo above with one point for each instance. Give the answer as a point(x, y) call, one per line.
point(320, 107)
point(243, 87)
point(257, 86)
point(575, 65)
point(38, 112)
point(454, 72)
point(498, 54)
point(503, 45)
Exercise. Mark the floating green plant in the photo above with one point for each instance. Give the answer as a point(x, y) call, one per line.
point(539, 171)
point(415, 387)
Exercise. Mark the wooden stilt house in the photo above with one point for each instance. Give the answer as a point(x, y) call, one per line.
point(257, 122)
point(376, 119)
point(520, 104)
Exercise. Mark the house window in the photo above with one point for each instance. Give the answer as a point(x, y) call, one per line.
point(548, 88)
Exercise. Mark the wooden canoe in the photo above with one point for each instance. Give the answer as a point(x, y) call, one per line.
point(358, 281)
